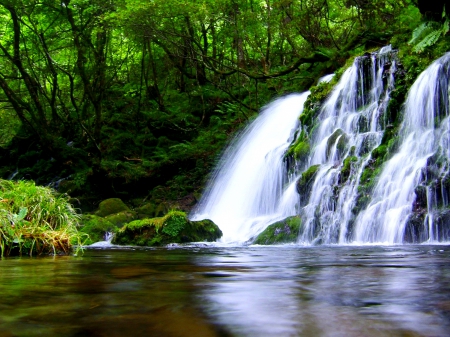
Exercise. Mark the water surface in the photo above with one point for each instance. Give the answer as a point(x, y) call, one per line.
point(230, 291)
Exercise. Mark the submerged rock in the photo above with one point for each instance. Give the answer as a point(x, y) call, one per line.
point(174, 227)
point(284, 231)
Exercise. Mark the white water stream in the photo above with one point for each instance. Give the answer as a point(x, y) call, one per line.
point(250, 187)
point(424, 132)
point(350, 124)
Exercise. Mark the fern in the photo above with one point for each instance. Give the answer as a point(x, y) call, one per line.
point(427, 34)
point(427, 41)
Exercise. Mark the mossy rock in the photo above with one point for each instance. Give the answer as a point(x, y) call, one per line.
point(300, 148)
point(340, 137)
point(306, 180)
point(284, 231)
point(150, 210)
point(174, 227)
point(111, 206)
point(96, 227)
point(346, 168)
point(121, 218)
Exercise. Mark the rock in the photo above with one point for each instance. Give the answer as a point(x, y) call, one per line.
point(284, 231)
point(347, 168)
point(306, 180)
point(150, 210)
point(96, 227)
point(174, 227)
point(121, 218)
point(111, 206)
point(339, 138)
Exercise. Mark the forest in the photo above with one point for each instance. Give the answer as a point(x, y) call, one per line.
point(136, 99)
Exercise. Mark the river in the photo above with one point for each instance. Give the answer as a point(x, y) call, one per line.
point(210, 290)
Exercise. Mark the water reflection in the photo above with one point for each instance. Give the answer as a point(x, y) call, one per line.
point(331, 291)
point(226, 291)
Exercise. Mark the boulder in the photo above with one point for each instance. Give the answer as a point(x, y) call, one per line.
point(96, 227)
point(111, 206)
point(174, 227)
point(284, 231)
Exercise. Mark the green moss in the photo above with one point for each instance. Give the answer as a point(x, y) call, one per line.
point(121, 218)
point(150, 210)
point(306, 180)
point(285, 231)
point(96, 227)
point(314, 101)
point(346, 167)
point(111, 206)
point(300, 148)
point(340, 137)
point(174, 227)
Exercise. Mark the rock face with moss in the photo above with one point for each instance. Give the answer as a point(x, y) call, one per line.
point(306, 180)
point(284, 231)
point(174, 227)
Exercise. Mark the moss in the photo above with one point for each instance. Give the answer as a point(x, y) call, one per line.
point(346, 168)
point(121, 218)
point(111, 206)
point(285, 231)
point(96, 227)
point(174, 227)
point(314, 101)
point(306, 180)
point(300, 148)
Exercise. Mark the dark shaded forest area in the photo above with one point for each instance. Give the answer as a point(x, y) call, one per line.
point(135, 99)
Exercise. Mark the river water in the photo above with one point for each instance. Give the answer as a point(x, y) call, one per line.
point(230, 291)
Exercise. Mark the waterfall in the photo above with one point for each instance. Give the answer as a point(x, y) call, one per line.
point(349, 127)
point(410, 197)
point(405, 199)
point(250, 188)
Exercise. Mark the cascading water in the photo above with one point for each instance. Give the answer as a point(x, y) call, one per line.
point(410, 198)
point(349, 126)
point(246, 191)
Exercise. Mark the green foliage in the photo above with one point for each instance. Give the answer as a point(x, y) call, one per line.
point(429, 32)
point(284, 231)
point(35, 220)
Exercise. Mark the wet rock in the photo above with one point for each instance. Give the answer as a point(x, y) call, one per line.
point(306, 180)
point(284, 231)
point(174, 227)
point(96, 227)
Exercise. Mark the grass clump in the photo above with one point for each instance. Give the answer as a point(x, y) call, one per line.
point(36, 220)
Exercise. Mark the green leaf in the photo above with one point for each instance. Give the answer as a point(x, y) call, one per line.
point(22, 213)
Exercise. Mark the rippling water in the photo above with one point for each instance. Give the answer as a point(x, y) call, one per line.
point(230, 291)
